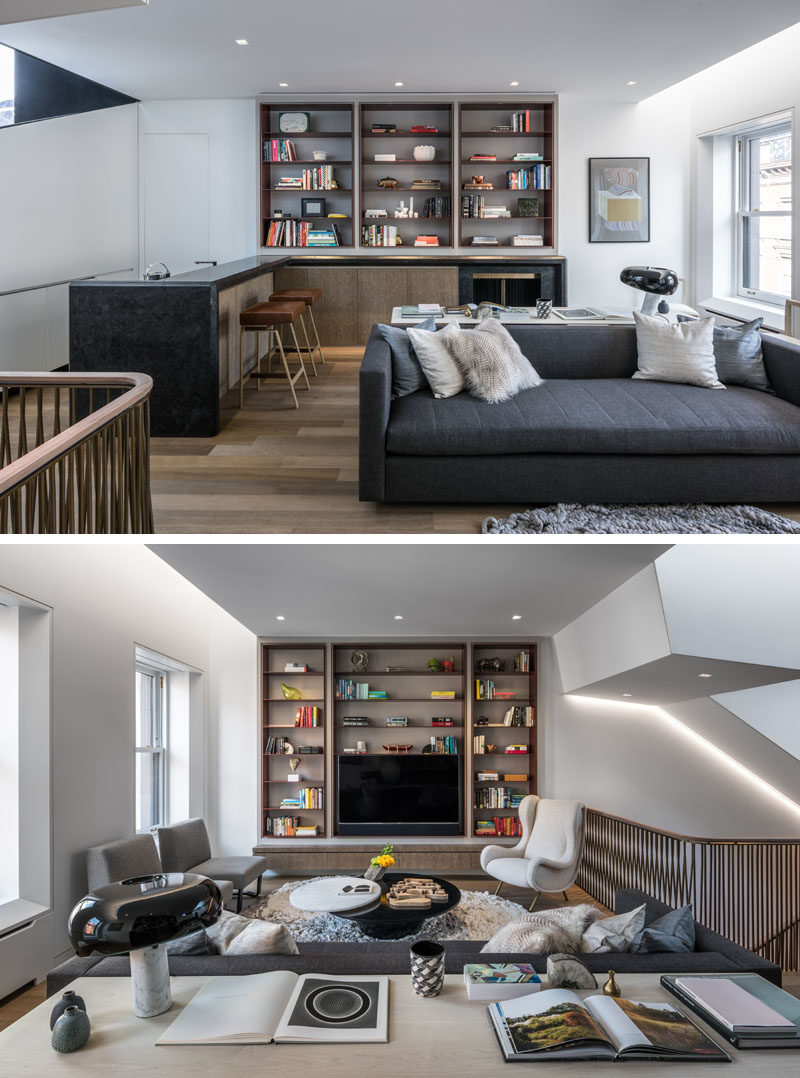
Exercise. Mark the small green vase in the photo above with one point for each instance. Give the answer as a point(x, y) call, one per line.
point(71, 1031)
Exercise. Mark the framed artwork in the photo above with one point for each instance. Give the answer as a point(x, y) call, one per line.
point(313, 207)
point(619, 199)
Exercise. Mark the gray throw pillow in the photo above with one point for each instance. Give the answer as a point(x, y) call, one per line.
point(676, 351)
point(672, 932)
point(737, 353)
point(491, 361)
point(194, 943)
point(407, 375)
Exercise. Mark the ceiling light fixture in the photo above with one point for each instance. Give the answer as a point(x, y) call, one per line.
point(705, 675)
point(280, 617)
point(515, 83)
point(398, 617)
point(516, 617)
point(633, 83)
point(399, 84)
point(627, 694)
point(284, 84)
point(242, 41)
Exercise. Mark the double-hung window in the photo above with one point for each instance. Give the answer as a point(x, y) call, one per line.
point(151, 747)
point(764, 214)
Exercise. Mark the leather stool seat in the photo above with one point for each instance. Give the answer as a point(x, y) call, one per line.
point(271, 314)
point(307, 295)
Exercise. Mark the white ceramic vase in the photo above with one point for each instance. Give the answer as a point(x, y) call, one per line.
point(424, 153)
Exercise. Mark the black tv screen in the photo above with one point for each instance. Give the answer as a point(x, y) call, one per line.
point(399, 795)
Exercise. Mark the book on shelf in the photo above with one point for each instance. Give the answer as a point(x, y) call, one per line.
point(522, 662)
point(354, 752)
point(516, 750)
point(280, 1007)
point(438, 207)
point(421, 310)
point(483, 157)
point(499, 827)
point(443, 694)
point(500, 980)
point(424, 129)
point(521, 121)
point(441, 720)
point(740, 1022)
point(426, 184)
point(385, 157)
point(426, 241)
point(515, 777)
point(355, 720)
point(383, 129)
point(379, 235)
point(484, 241)
point(489, 776)
point(289, 232)
point(497, 797)
point(279, 149)
point(310, 797)
point(444, 746)
point(519, 716)
point(527, 240)
point(308, 750)
point(275, 746)
point(280, 826)
point(521, 155)
point(397, 720)
point(295, 668)
point(306, 831)
point(308, 716)
point(536, 178)
point(558, 1024)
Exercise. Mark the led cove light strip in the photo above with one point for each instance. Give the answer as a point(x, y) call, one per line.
point(698, 739)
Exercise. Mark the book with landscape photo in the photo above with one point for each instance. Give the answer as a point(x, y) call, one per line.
point(284, 1007)
point(558, 1024)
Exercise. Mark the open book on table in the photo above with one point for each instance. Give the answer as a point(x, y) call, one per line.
point(558, 1024)
point(284, 1007)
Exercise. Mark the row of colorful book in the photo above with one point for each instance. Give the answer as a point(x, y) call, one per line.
point(320, 178)
point(519, 716)
point(309, 797)
point(292, 233)
point(486, 689)
point(497, 797)
point(522, 662)
point(308, 716)
point(275, 746)
point(279, 149)
point(537, 178)
point(444, 746)
point(358, 690)
point(499, 826)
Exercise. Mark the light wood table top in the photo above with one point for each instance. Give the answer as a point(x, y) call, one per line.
point(448, 1036)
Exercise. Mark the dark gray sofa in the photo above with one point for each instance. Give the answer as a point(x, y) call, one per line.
point(589, 434)
point(713, 954)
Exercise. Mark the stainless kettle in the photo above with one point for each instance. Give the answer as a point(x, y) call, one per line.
point(153, 273)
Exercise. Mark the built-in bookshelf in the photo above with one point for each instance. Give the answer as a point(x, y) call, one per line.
point(514, 144)
point(395, 139)
point(290, 155)
point(289, 729)
point(503, 714)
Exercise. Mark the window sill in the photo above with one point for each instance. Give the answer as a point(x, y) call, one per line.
point(18, 912)
point(746, 310)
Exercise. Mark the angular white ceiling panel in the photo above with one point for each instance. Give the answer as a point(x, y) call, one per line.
point(28, 10)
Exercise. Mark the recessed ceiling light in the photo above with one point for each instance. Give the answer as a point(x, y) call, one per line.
point(280, 617)
point(515, 83)
point(516, 617)
point(398, 617)
point(283, 84)
point(627, 694)
point(398, 84)
point(633, 83)
point(242, 41)
point(705, 675)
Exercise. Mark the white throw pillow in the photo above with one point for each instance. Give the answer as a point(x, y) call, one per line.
point(491, 360)
point(431, 349)
point(233, 934)
point(613, 933)
point(676, 352)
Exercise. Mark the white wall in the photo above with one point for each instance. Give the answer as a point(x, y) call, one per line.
point(68, 209)
point(105, 600)
point(231, 128)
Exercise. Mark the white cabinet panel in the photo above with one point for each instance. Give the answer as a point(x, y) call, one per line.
point(176, 199)
point(23, 331)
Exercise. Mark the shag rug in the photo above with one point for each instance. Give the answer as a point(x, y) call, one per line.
point(478, 916)
point(564, 519)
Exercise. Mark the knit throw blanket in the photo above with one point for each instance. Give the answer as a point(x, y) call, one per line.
point(547, 932)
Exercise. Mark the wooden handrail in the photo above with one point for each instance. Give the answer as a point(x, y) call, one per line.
point(20, 471)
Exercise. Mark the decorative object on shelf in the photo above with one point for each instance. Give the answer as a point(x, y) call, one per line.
point(138, 917)
point(320, 155)
point(424, 153)
point(294, 122)
point(483, 721)
point(375, 214)
point(385, 157)
point(656, 282)
point(359, 661)
point(71, 1030)
point(528, 207)
point(396, 669)
point(487, 666)
point(619, 199)
point(427, 968)
point(294, 763)
point(448, 666)
point(69, 999)
point(567, 971)
point(387, 183)
point(398, 748)
point(544, 308)
point(288, 748)
point(434, 666)
point(290, 693)
point(313, 207)
point(611, 988)
point(379, 863)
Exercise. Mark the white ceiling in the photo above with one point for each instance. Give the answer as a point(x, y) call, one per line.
point(353, 591)
point(26, 10)
point(185, 48)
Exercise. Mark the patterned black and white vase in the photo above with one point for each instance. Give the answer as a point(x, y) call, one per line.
point(427, 968)
point(71, 1031)
point(69, 999)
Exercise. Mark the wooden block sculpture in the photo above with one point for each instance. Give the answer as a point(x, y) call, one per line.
point(415, 893)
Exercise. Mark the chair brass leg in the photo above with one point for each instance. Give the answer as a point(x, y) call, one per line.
point(316, 334)
point(299, 356)
point(535, 900)
point(500, 884)
point(259, 372)
point(288, 372)
point(308, 342)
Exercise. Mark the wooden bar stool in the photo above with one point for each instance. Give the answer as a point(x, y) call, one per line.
point(267, 318)
point(309, 296)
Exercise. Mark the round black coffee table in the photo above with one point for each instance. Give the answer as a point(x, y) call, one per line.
point(380, 921)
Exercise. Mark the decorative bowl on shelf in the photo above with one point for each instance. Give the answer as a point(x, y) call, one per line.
point(424, 153)
point(398, 748)
point(320, 155)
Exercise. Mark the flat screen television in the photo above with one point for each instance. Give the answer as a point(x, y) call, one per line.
point(400, 795)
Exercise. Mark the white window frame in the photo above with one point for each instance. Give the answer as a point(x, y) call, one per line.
point(744, 178)
point(158, 750)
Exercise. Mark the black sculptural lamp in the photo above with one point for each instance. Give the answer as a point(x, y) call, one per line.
point(138, 916)
point(655, 282)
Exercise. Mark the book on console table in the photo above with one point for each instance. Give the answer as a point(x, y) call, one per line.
point(558, 1024)
point(284, 1007)
point(709, 997)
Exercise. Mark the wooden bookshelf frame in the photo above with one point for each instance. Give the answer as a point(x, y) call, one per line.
point(506, 735)
point(277, 714)
point(475, 120)
point(405, 168)
point(340, 145)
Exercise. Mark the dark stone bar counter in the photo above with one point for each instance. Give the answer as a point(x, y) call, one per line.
point(184, 331)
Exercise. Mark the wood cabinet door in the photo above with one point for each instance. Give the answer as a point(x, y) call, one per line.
point(433, 284)
point(336, 314)
point(379, 289)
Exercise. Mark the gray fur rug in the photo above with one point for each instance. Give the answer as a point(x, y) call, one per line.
point(478, 916)
point(564, 519)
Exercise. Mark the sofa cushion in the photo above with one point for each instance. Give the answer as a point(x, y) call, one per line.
point(441, 370)
point(490, 359)
point(672, 932)
point(676, 351)
point(739, 358)
point(604, 415)
point(407, 375)
point(614, 933)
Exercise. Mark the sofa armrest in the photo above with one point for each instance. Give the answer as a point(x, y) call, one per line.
point(782, 363)
point(374, 401)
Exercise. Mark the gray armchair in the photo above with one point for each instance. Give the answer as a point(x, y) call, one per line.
point(548, 855)
point(125, 858)
point(185, 848)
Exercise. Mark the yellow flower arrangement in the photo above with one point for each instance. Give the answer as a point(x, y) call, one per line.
point(384, 859)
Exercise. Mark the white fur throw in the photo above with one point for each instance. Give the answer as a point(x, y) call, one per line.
point(490, 359)
point(545, 933)
point(233, 934)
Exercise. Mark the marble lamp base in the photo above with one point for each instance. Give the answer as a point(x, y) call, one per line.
point(150, 978)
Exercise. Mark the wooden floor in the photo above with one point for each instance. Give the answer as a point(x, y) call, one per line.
point(274, 468)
